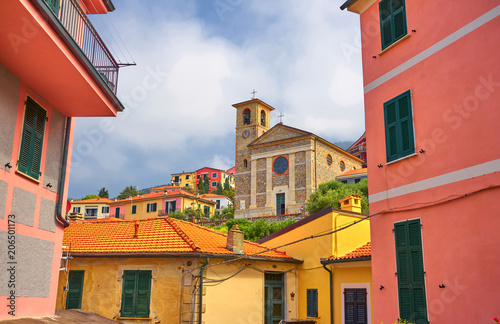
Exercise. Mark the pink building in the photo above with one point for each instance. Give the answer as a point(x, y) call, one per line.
point(432, 92)
point(214, 176)
point(49, 74)
point(358, 149)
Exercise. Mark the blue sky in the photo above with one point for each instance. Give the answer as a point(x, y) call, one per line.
point(195, 58)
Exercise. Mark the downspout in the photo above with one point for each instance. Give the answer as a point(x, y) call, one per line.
point(315, 163)
point(200, 306)
point(331, 292)
point(60, 193)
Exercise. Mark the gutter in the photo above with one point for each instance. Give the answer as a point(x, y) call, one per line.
point(60, 193)
point(200, 306)
point(331, 292)
point(347, 4)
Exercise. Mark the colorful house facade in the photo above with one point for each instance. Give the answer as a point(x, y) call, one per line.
point(314, 280)
point(221, 201)
point(91, 208)
point(184, 179)
point(48, 76)
point(215, 176)
point(358, 149)
point(160, 204)
point(431, 95)
point(149, 271)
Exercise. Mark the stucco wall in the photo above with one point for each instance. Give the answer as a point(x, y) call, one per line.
point(9, 100)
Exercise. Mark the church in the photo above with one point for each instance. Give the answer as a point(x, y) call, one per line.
point(277, 168)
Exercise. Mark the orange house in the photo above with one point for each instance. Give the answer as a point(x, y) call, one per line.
point(431, 89)
point(48, 75)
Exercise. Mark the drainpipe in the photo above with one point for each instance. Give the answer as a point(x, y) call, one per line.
point(331, 292)
point(59, 211)
point(200, 306)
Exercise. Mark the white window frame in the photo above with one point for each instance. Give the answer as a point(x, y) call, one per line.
point(214, 174)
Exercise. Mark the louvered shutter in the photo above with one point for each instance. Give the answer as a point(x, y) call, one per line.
point(349, 305)
point(128, 293)
point(312, 302)
point(385, 22)
point(75, 289)
point(30, 153)
point(361, 309)
point(392, 21)
point(398, 19)
point(143, 293)
point(398, 118)
point(410, 271)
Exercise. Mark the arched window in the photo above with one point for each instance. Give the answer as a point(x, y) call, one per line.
point(246, 117)
point(245, 163)
point(263, 118)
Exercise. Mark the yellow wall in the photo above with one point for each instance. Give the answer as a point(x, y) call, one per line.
point(350, 275)
point(241, 298)
point(83, 206)
point(237, 300)
point(311, 273)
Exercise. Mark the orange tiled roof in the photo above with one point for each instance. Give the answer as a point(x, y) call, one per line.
point(353, 172)
point(154, 235)
point(362, 252)
point(212, 196)
point(93, 201)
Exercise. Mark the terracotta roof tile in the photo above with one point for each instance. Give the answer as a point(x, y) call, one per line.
point(364, 251)
point(93, 201)
point(155, 235)
point(353, 172)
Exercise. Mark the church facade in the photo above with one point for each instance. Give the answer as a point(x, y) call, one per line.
point(277, 168)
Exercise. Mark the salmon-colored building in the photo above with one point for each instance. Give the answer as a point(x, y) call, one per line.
point(432, 92)
point(53, 67)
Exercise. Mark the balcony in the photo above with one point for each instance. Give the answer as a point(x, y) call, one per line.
point(78, 26)
point(358, 148)
point(53, 49)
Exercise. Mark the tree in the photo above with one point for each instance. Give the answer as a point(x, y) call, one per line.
point(227, 186)
point(190, 189)
point(103, 193)
point(90, 197)
point(206, 184)
point(329, 193)
point(129, 191)
point(201, 187)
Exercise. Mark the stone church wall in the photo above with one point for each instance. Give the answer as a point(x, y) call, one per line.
point(327, 172)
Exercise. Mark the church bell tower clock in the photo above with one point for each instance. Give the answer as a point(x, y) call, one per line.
point(253, 118)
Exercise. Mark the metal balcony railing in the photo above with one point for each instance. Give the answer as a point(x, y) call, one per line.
point(79, 27)
point(358, 148)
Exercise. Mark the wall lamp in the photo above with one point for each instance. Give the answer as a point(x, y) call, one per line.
point(292, 295)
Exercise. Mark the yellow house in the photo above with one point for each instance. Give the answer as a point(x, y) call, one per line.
point(160, 203)
point(163, 270)
point(337, 232)
point(91, 208)
point(184, 179)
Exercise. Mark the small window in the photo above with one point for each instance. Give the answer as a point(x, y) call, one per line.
point(206, 210)
point(357, 180)
point(245, 163)
point(198, 176)
point(214, 174)
point(187, 176)
point(91, 211)
point(399, 137)
point(218, 204)
point(263, 118)
point(134, 209)
point(105, 210)
point(214, 184)
point(392, 21)
point(344, 181)
point(246, 117)
point(117, 212)
point(30, 152)
point(76, 209)
point(312, 302)
point(176, 179)
point(136, 293)
point(342, 166)
point(187, 184)
point(151, 207)
point(329, 160)
point(355, 309)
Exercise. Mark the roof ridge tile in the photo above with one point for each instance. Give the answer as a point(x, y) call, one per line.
point(181, 233)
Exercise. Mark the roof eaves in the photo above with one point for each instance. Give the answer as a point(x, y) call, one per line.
point(365, 258)
point(347, 4)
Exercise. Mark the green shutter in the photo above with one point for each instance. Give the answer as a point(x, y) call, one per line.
point(75, 289)
point(410, 271)
point(134, 209)
point(392, 21)
point(136, 293)
point(173, 205)
point(398, 118)
point(30, 153)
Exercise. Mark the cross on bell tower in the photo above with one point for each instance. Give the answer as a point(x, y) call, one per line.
point(253, 93)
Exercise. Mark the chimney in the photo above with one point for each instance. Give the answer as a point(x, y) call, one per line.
point(235, 240)
point(136, 234)
point(351, 203)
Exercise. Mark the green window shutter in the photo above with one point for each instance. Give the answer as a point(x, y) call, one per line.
point(75, 289)
point(143, 293)
point(392, 21)
point(134, 209)
point(30, 153)
point(312, 302)
point(128, 293)
point(398, 118)
point(173, 205)
point(410, 271)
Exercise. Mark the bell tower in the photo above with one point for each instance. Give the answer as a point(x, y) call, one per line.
point(253, 118)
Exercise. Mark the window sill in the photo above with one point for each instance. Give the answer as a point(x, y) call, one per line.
point(394, 44)
point(402, 158)
point(135, 318)
point(27, 176)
